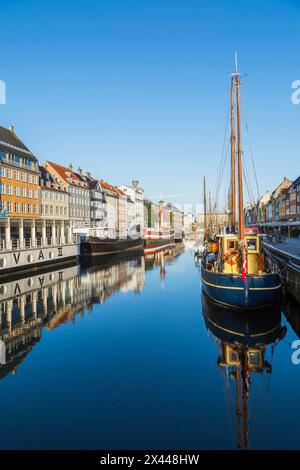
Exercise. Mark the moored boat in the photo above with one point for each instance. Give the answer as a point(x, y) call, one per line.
point(156, 239)
point(95, 246)
point(234, 269)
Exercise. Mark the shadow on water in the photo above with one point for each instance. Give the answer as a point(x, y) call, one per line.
point(242, 340)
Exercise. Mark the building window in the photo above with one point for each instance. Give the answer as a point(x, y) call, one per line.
point(46, 209)
point(51, 210)
point(17, 191)
point(2, 188)
point(29, 178)
point(23, 177)
point(35, 208)
point(23, 192)
point(17, 207)
point(34, 194)
point(23, 208)
point(8, 172)
point(16, 175)
point(29, 208)
point(2, 206)
point(9, 207)
point(30, 193)
point(2, 171)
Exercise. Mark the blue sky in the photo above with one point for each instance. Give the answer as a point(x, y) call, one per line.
point(140, 88)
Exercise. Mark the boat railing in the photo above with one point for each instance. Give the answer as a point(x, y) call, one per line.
point(28, 243)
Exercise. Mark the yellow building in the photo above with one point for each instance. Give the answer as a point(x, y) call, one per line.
point(19, 187)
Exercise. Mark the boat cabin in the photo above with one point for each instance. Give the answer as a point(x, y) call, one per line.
point(229, 252)
point(253, 357)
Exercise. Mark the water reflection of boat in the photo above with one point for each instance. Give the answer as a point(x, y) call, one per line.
point(168, 255)
point(243, 341)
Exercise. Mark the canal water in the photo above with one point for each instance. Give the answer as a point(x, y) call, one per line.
point(123, 356)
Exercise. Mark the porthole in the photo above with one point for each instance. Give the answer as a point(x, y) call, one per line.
point(2, 262)
point(51, 255)
point(29, 258)
point(30, 282)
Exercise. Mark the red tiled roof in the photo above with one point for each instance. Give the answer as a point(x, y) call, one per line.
point(111, 188)
point(43, 169)
point(63, 173)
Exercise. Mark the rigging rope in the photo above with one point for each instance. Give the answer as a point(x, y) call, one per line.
point(223, 156)
point(250, 144)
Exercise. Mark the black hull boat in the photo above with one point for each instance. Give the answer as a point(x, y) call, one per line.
point(94, 246)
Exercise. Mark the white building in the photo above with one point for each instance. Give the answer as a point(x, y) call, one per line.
point(136, 193)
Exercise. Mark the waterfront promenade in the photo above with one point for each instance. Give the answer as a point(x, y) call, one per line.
point(288, 250)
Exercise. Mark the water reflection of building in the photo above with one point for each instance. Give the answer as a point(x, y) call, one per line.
point(245, 341)
point(53, 298)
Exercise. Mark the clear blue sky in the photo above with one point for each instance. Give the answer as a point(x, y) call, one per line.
point(140, 88)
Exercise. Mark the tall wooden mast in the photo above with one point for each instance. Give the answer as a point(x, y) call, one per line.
point(204, 203)
point(233, 177)
point(239, 152)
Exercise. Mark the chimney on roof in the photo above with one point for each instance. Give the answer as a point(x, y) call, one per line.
point(135, 183)
point(71, 167)
point(11, 129)
point(79, 171)
point(88, 174)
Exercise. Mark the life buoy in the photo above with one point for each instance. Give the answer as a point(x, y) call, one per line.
point(231, 256)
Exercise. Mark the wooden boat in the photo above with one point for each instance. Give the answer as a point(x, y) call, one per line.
point(234, 269)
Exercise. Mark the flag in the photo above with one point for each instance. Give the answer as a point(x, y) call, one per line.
point(3, 214)
point(244, 270)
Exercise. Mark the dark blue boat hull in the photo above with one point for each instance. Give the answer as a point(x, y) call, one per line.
point(231, 290)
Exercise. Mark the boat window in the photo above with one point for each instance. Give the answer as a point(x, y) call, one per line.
point(230, 244)
point(251, 244)
point(254, 358)
point(233, 357)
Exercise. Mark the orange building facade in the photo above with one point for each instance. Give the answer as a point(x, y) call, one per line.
point(19, 187)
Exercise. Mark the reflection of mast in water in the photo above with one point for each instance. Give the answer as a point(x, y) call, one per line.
point(242, 341)
point(162, 270)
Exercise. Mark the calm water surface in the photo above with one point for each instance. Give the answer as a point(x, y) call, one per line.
point(123, 356)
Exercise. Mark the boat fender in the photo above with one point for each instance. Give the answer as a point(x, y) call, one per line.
point(231, 257)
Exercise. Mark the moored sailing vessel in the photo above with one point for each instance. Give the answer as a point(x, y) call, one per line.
point(234, 269)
